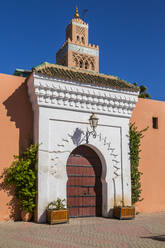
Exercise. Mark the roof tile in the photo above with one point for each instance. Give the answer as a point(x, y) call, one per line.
point(83, 76)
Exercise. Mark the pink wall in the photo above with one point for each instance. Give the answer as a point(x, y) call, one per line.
point(152, 162)
point(16, 122)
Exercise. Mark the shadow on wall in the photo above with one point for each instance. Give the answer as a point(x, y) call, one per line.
point(20, 111)
point(157, 238)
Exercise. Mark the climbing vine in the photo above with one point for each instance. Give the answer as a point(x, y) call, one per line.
point(23, 175)
point(135, 140)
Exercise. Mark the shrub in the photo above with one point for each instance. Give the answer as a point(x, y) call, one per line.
point(23, 175)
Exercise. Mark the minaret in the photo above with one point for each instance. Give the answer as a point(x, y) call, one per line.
point(76, 51)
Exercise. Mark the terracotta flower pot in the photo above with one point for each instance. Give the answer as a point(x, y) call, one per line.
point(26, 216)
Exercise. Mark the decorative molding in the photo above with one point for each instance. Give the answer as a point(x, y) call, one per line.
point(78, 58)
point(58, 151)
point(76, 48)
point(80, 24)
point(82, 49)
point(80, 97)
point(129, 92)
point(115, 162)
point(77, 138)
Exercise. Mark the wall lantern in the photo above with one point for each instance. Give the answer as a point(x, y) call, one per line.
point(93, 121)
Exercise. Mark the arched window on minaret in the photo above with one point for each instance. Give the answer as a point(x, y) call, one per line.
point(77, 46)
point(78, 38)
point(86, 65)
point(81, 64)
point(83, 40)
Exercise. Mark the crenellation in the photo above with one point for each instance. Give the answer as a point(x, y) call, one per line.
point(87, 46)
point(79, 21)
point(77, 43)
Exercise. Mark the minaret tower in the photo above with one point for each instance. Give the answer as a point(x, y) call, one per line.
point(76, 51)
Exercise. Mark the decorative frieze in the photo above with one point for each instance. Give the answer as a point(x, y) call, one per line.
point(83, 49)
point(80, 24)
point(81, 97)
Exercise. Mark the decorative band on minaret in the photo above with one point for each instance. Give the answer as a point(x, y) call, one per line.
point(77, 51)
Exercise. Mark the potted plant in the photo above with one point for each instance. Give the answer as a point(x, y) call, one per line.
point(22, 175)
point(57, 212)
point(124, 212)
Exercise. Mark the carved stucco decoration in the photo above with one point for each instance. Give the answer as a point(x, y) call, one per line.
point(52, 98)
point(78, 137)
point(45, 91)
point(88, 62)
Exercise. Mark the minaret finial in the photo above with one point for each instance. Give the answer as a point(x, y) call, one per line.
point(76, 14)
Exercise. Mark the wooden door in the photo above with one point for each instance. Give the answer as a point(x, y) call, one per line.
point(84, 188)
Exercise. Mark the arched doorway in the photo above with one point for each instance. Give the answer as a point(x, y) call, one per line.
point(84, 187)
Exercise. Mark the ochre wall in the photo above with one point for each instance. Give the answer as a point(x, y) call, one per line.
point(16, 122)
point(152, 162)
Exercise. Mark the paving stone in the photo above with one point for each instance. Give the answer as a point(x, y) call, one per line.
point(145, 231)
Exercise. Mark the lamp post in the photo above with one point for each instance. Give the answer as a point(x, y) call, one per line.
point(93, 121)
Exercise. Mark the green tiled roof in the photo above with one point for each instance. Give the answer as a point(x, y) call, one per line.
point(22, 72)
point(83, 76)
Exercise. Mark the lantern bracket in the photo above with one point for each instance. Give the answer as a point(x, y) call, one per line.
point(89, 133)
point(93, 121)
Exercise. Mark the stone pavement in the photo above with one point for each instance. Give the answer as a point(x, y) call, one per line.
point(146, 231)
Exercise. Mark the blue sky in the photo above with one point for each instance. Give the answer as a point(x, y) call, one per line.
point(130, 34)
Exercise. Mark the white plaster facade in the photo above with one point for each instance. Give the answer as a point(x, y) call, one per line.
point(61, 113)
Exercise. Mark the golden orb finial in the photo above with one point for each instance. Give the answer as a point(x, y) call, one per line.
point(76, 13)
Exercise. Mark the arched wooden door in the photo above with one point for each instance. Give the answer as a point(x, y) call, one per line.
point(84, 187)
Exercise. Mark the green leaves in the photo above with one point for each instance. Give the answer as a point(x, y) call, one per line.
point(143, 91)
point(57, 205)
point(135, 139)
point(23, 175)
